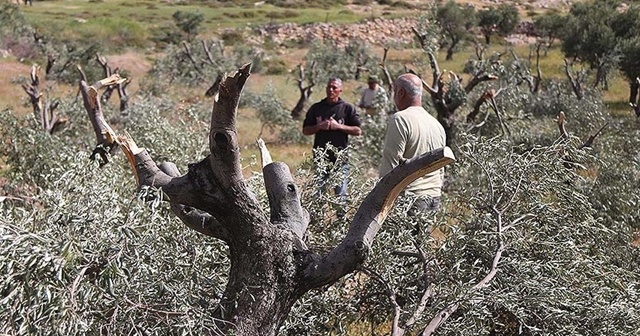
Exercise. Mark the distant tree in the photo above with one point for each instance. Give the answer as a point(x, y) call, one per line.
point(626, 26)
point(589, 36)
point(347, 62)
point(188, 22)
point(549, 26)
point(455, 22)
point(488, 20)
point(501, 20)
point(630, 65)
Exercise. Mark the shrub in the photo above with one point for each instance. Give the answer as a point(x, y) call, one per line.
point(274, 66)
point(274, 116)
point(188, 22)
point(232, 37)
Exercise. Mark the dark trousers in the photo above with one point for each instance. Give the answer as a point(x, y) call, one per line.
point(421, 207)
point(424, 205)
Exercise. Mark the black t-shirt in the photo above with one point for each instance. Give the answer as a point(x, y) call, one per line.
point(343, 112)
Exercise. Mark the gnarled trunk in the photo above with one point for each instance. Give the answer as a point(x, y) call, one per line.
point(271, 266)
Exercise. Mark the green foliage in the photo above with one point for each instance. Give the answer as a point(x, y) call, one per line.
point(429, 31)
point(15, 33)
point(589, 36)
point(368, 147)
point(198, 63)
point(627, 27)
point(630, 64)
point(527, 193)
point(12, 20)
point(232, 37)
point(68, 56)
point(340, 61)
point(165, 34)
point(82, 256)
point(188, 22)
point(274, 66)
point(274, 116)
point(455, 23)
point(501, 20)
point(550, 25)
point(306, 3)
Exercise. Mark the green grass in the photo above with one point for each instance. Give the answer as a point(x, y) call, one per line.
point(120, 24)
point(130, 22)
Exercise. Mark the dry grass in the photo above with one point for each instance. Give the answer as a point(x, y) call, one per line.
point(138, 64)
point(11, 92)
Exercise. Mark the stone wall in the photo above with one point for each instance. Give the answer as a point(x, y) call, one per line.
point(378, 31)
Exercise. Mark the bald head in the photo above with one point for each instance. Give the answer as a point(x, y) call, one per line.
point(408, 91)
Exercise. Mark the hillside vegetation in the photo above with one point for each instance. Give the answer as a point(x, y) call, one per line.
point(537, 235)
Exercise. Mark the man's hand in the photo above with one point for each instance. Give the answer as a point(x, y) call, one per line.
point(334, 125)
point(324, 125)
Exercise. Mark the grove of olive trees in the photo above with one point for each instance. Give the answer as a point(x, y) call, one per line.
point(100, 234)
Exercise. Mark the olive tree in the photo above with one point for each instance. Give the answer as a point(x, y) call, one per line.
point(589, 36)
point(501, 20)
point(271, 265)
point(455, 23)
point(627, 27)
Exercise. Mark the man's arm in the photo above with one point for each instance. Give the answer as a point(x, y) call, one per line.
point(361, 103)
point(351, 130)
point(394, 145)
point(351, 124)
point(313, 129)
point(312, 123)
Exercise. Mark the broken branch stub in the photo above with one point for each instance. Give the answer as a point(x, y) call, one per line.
point(105, 136)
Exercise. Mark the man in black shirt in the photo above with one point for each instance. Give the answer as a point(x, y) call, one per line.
point(332, 120)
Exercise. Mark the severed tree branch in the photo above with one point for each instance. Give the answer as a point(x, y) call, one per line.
point(445, 313)
point(353, 249)
point(214, 185)
point(483, 99)
point(51, 60)
point(535, 88)
point(592, 137)
point(565, 135)
point(477, 79)
point(123, 95)
point(105, 136)
point(284, 197)
point(193, 218)
point(396, 330)
point(387, 75)
point(576, 83)
point(106, 95)
point(189, 54)
point(213, 198)
point(43, 110)
point(305, 91)
point(503, 126)
point(561, 126)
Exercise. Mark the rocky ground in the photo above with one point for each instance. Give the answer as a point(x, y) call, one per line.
point(380, 32)
point(384, 32)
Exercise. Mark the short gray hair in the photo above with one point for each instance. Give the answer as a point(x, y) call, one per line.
point(409, 87)
point(335, 79)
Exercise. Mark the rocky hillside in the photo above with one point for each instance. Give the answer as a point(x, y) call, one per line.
point(383, 32)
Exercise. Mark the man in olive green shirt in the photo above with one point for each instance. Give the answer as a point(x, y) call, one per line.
point(411, 132)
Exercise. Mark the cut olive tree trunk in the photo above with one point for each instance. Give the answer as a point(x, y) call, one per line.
point(271, 266)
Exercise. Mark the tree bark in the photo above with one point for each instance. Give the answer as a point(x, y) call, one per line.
point(633, 91)
point(271, 267)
